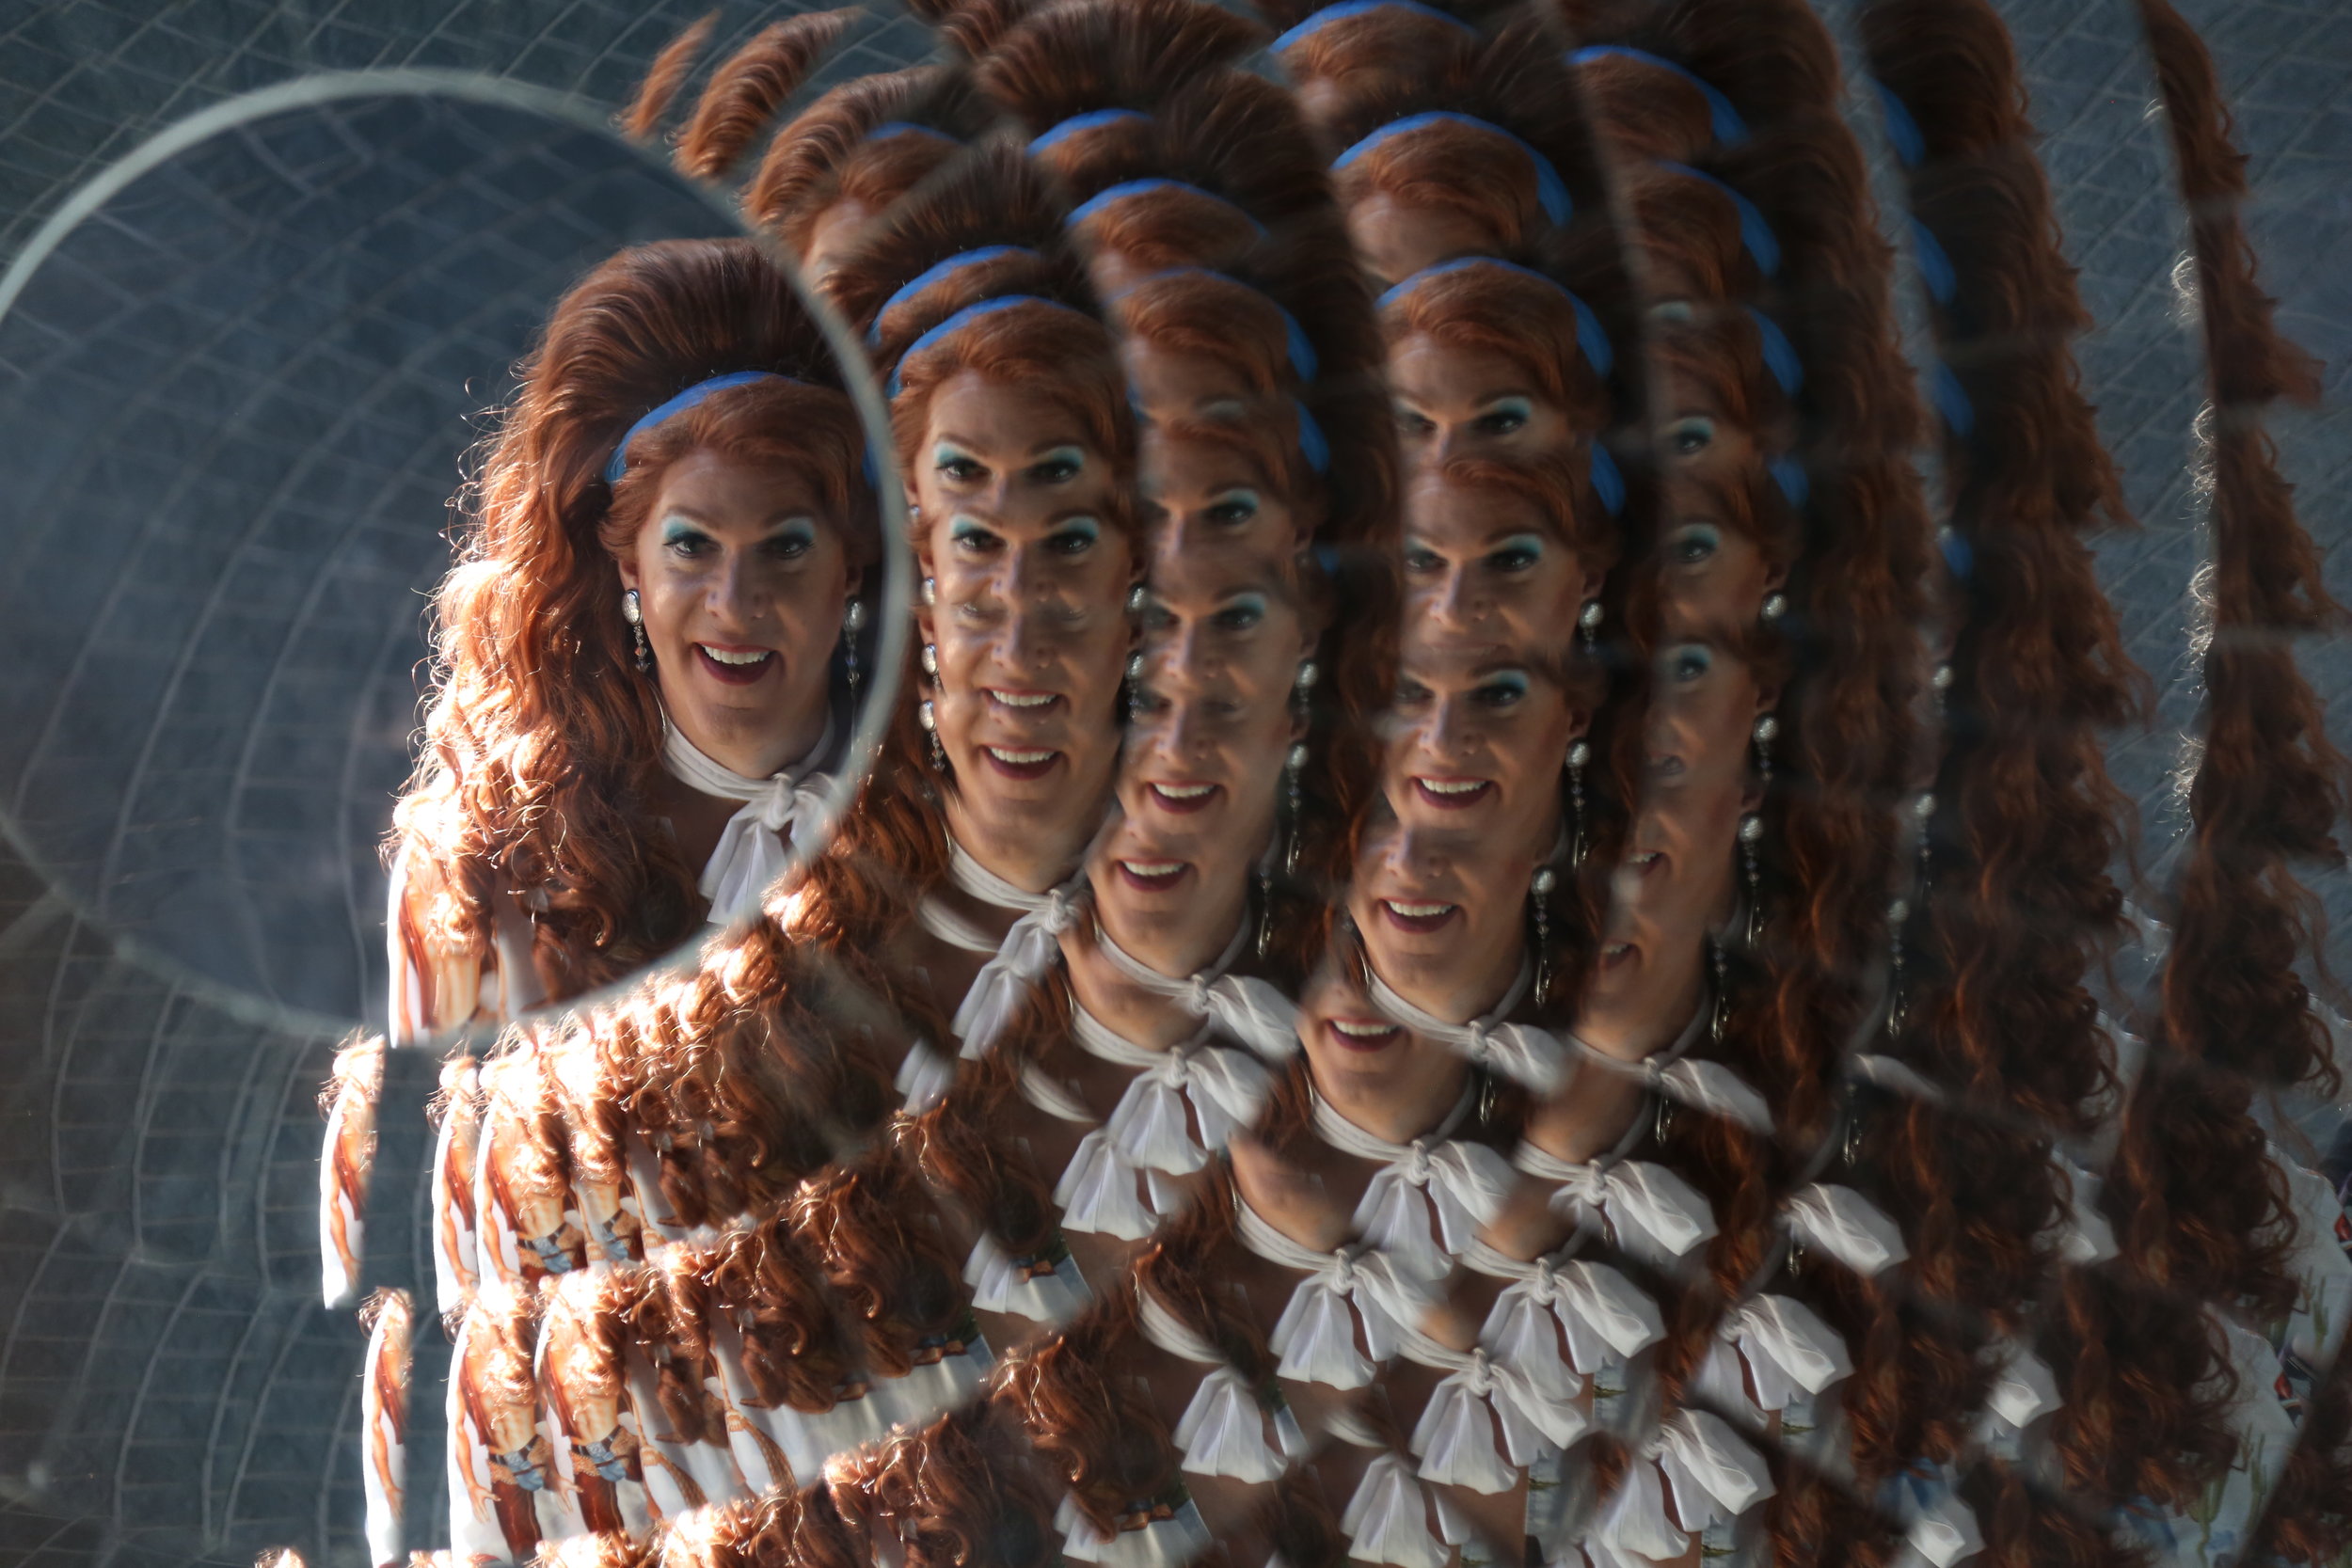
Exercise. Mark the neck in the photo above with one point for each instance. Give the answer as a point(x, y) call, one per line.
point(1456, 993)
point(1401, 1106)
point(746, 746)
point(1637, 1026)
point(1035, 856)
point(1179, 944)
point(1117, 1001)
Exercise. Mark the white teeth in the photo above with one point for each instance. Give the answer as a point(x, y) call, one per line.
point(1153, 869)
point(1418, 911)
point(1363, 1031)
point(1453, 787)
point(1184, 792)
point(1020, 759)
point(1021, 698)
point(727, 657)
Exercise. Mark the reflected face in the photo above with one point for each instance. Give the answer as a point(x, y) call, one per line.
point(1674, 886)
point(1703, 707)
point(1441, 911)
point(1711, 574)
point(1206, 498)
point(1453, 402)
point(1486, 569)
point(1212, 722)
point(741, 579)
point(1358, 1056)
point(1029, 618)
point(1393, 241)
point(1477, 744)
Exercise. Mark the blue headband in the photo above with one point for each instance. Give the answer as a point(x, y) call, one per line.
point(1053, 135)
point(1780, 354)
point(1952, 400)
point(1551, 193)
point(1126, 188)
point(904, 127)
point(1590, 336)
point(1935, 267)
point(1958, 555)
point(1311, 444)
point(1304, 361)
point(618, 465)
point(931, 275)
point(1729, 129)
point(1346, 8)
point(1608, 481)
point(1902, 129)
point(1789, 475)
point(1754, 232)
point(965, 317)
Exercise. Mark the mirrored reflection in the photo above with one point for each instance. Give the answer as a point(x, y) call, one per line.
point(1478, 934)
point(252, 362)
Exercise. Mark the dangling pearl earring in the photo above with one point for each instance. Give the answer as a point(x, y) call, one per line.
point(1588, 626)
point(930, 590)
point(852, 622)
point(929, 722)
point(632, 611)
point(1129, 687)
point(1579, 755)
point(930, 658)
point(1539, 895)
point(1774, 607)
point(1767, 729)
point(1294, 765)
point(1751, 834)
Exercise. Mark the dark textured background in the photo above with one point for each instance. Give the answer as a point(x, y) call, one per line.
point(171, 1393)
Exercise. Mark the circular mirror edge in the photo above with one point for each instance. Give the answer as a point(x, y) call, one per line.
point(896, 600)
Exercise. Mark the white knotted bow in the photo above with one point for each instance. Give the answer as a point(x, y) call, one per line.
point(1520, 1051)
point(1223, 1430)
point(1026, 952)
point(1846, 1225)
point(1349, 1295)
point(1429, 1196)
point(1118, 1182)
point(1485, 1421)
point(1787, 1349)
point(924, 1077)
point(1387, 1521)
point(1251, 1011)
point(1713, 1088)
point(1711, 1475)
point(1943, 1528)
point(1169, 1543)
point(1591, 1307)
point(751, 853)
point(2024, 1389)
point(1649, 1209)
point(1019, 1288)
point(1099, 1192)
point(2085, 1235)
point(1221, 1091)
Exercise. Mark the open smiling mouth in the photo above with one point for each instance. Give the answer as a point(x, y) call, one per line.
point(1178, 796)
point(1152, 876)
point(1416, 916)
point(1452, 794)
point(1361, 1034)
point(1020, 764)
point(1022, 701)
point(735, 666)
